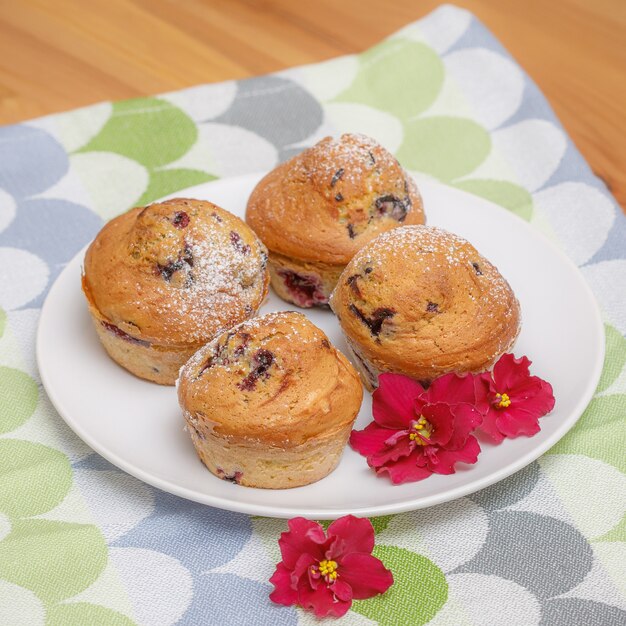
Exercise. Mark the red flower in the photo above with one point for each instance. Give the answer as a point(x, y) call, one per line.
point(416, 433)
point(511, 400)
point(325, 572)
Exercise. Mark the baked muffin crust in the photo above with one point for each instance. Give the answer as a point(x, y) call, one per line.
point(169, 276)
point(422, 301)
point(270, 400)
point(327, 202)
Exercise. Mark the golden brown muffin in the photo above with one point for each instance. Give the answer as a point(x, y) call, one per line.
point(317, 210)
point(270, 403)
point(423, 302)
point(161, 281)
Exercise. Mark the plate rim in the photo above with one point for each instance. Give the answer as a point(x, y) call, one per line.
point(366, 511)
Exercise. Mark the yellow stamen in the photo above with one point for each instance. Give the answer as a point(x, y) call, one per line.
point(424, 430)
point(503, 400)
point(328, 569)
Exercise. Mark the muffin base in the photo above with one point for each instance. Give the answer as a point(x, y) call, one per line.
point(253, 464)
point(366, 369)
point(305, 284)
point(159, 364)
point(369, 371)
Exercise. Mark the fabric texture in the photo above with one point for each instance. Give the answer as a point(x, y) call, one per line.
point(84, 543)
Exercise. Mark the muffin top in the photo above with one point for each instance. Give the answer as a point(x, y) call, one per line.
point(176, 272)
point(329, 201)
point(275, 379)
point(422, 301)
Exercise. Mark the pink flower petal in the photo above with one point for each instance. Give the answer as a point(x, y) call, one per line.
point(483, 384)
point(392, 402)
point(536, 397)
point(303, 536)
point(365, 574)
point(466, 419)
point(405, 470)
point(446, 459)
point(342, 590)
point(509, 372)
point(489, 426)
point(442, 420)
point(513, 422)
point(351, 534)
point(369, 440)
point(303, 568)
point(284, 592)
point(321, 601)
point(403, 447)
point(451, 389)
point(527, 388)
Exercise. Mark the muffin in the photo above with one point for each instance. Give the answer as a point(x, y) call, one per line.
point(317, 210)
point(162, 280)
point(423, 302)
point(270, 403)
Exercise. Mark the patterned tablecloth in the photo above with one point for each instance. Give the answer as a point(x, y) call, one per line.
point(83, 543)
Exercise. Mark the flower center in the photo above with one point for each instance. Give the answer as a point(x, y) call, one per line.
point(327, 569)
point(422, 429)
point(502, 401)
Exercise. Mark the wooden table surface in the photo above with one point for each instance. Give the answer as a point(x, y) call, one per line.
point(61, 54)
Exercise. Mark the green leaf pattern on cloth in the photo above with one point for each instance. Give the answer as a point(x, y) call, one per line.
point(377, 85)
point(18, 398)
point(419, 590)
point(54, 560)
point(83, 543)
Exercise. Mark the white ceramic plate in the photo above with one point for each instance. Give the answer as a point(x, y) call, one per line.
point(137, 425)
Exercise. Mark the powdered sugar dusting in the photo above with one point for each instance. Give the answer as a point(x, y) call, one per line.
point(453, 254)
point(203, 274)
point(292, 326)
point(354, 153)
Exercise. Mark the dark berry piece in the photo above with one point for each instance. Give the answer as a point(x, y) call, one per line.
point(372, 159)
point(326, 344)
point(351, 232)
point(235, 477)
point(180, 220)
point(167, 271)
point(187, 256)
point(217, 217)
point(336, 176)
point(237, 241)
point(477, 269)
point(122, 335)
point(432, 307)
point(241, 348)
point(352, 281)
point(219, 356)
point(208, 364)
point(368, 270)
point(263, 359)
point(305, 290)
point(393, 206)
point(375, 321)
point(261, 363)
point(338, 197)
